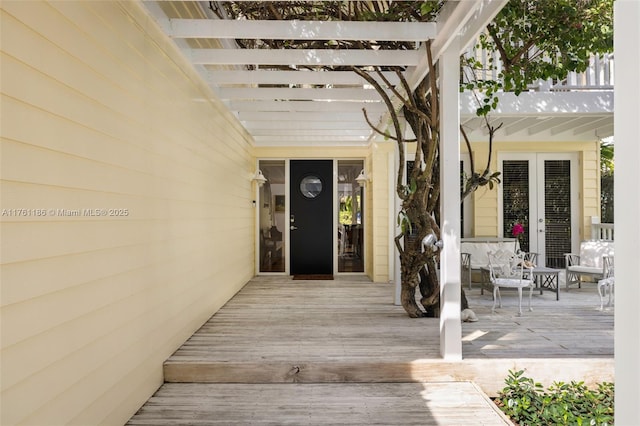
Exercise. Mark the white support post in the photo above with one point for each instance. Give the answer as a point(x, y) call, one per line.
point(595, 234)
point(450, 325)
point(627, 175)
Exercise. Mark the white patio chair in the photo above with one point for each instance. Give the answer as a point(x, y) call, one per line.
point(465, 266)
point(507, 270)
point(606, 284)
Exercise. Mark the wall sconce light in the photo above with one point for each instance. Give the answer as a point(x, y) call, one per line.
point(259, 178)
point(432, 242)
point(362, 179)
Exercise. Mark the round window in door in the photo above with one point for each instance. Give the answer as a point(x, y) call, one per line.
point(311, 186)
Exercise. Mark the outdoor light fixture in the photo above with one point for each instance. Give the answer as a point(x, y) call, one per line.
point(259, 178)
point(432, 242)
point(362, 179)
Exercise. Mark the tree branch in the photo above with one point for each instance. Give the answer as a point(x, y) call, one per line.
point(396, 125)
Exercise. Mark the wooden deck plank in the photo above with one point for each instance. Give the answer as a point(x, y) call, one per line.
point(339, 352)
point(349, 330)
point(280, 319)
point(320, 404)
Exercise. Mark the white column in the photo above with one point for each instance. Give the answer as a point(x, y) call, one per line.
point(450, 326)
point(627, 212)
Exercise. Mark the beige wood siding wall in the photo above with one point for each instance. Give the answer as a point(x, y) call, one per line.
point(485, 201)
point(382, 184)
point(590, 187)
point(99, 111)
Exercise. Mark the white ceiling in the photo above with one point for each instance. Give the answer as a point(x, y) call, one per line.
point(301, 107)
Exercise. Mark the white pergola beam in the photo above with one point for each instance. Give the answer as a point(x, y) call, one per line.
point(266, 93)
point(306, 106)
point(292, 77)
point(301, 30)
point(284, 132)
point(286, 123)
point(296, 140)
point(306, 117)
point(309, 57)
point(485, 11)
point(451, 19)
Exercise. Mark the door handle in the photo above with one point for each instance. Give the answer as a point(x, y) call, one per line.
point(293, 228)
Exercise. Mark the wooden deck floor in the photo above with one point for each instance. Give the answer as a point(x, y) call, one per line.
point(347, 336)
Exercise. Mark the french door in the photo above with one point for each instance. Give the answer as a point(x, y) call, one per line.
point(540, 192)
point(310, 217)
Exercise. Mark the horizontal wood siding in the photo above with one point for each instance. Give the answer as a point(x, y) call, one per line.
point(590, 169)
point(380, 203)
point(101, 113)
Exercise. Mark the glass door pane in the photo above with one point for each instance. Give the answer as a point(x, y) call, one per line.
point(557, 211)
point(350, 214)
point(515, 199)
point(271, 207)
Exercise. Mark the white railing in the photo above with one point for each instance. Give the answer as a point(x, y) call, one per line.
point(597, 76)
point(601, 231)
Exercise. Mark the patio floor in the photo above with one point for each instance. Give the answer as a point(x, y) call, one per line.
point(314, 352)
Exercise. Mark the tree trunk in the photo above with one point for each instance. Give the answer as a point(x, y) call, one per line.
point(430, 291)
point(408, 294)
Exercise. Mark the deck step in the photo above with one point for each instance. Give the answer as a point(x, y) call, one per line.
point(488, 373)
point(460, 403)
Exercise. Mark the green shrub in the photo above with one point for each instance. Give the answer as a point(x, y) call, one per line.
point(527, 403)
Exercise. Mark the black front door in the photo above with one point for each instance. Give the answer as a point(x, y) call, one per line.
point(311, 220)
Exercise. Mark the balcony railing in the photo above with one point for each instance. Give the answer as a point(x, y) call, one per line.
point(597, 76)
point(601, 231)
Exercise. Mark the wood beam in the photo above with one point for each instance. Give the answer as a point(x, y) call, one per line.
point(300, 30)
point(306, 117)
point(287, 123)
point(570, 124)
point(593, 125)
point(310, 57)
point(309, 140)
point(451, 19)
point(520, 125)
point(546, 124)
point(297, 133)
point(297, 93)
point(306, 106)
point(291, 77)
